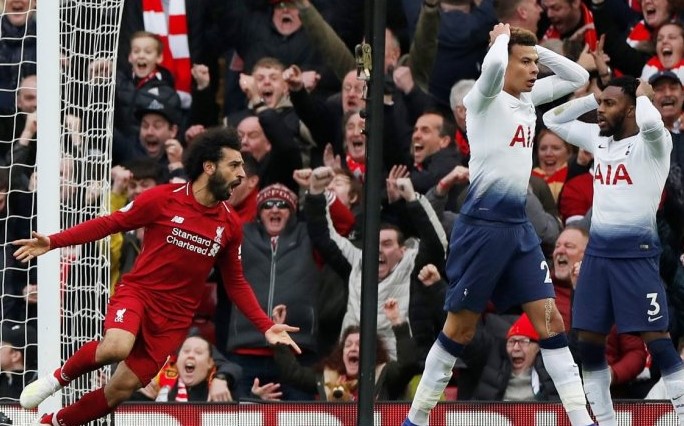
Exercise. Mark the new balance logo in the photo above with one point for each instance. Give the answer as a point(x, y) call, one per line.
point(651, 319)
point(178, 219)
point(119, 315)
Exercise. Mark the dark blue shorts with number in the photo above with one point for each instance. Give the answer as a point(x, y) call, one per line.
point(496, 261)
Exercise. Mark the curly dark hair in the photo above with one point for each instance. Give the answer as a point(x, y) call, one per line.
point(208, 147)
point(334, 360)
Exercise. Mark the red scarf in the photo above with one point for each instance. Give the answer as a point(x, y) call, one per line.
point(462, 143)
point(358, 169)
point(640, 33)
point(174, 37)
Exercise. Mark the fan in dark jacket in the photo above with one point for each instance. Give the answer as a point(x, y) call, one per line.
point(505, 367)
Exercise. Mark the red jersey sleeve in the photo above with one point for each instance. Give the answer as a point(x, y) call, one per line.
point(238, 289)
point(133, 216)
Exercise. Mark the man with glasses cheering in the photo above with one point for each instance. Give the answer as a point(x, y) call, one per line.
point(278, 262)
point(518, 374)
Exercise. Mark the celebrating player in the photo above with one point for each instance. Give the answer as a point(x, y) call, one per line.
point(189, 228)
point(494, 251)
point(619, 281)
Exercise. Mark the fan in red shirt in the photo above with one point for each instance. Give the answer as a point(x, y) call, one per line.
point(189, 228)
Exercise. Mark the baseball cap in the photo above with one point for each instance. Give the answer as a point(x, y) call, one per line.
point(159, 99)
point(22, 337)
point(663, 74)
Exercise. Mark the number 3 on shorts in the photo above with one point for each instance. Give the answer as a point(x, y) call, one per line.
point(654, 304)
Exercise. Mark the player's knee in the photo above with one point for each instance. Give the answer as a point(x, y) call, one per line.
point(461, 327)
point(462, 335)
point(119, 393)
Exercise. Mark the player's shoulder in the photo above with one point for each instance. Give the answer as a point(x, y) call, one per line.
point(228, 214)
point(166, 189)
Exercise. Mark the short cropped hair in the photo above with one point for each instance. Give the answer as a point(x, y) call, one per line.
point(521, 37)
point(268, 62)
point(628, 84)
point(147, 34)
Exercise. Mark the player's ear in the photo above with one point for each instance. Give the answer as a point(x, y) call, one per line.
point(209, 167)
point(631, 111)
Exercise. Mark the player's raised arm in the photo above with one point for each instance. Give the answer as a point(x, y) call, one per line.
point(568, 77)
point(649, 120)
point(562, 120)
point(491, 80)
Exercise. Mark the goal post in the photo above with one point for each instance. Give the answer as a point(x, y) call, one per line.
point(75, 116)
point(47, 160)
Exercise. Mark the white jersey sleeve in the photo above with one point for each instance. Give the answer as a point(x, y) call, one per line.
point(568, 77)
point(491, 80)
point(562, 120)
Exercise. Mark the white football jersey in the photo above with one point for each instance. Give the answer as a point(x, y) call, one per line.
point(501, 131)
point(629, 176)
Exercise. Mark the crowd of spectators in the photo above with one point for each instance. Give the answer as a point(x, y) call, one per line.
point(282, 72)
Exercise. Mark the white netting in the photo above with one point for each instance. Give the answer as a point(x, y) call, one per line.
point(88, 33)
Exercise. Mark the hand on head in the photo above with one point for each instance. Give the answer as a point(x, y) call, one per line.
point(498, 30)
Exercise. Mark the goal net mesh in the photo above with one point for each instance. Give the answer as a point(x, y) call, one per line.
point(88, 35)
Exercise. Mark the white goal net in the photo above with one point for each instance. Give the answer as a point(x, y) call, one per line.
point(59, 147)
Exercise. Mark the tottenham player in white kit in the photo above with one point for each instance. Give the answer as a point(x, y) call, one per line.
point(619, 280)
point(494, 252)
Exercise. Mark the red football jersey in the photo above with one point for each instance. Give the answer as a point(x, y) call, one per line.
point(183, 240)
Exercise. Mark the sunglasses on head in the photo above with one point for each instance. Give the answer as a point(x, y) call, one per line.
point(279, 204)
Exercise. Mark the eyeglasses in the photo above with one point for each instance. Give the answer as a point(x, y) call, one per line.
point(349, 88)
point(524, 342)
point(279, 204)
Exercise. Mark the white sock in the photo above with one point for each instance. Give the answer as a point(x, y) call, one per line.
point(438, 366)
point(597, 389)
point(566, 378)
point(674, 383)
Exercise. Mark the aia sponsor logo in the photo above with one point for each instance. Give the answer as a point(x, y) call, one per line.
point(612, 175)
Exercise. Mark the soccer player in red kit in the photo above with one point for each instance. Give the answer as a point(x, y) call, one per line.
point(189, 228)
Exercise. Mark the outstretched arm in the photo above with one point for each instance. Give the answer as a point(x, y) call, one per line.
point(32, 247)
point(568, 77)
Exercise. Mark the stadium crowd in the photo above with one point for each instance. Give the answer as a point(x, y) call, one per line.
point(283, 74)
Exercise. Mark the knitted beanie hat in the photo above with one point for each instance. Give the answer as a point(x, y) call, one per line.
point(277, 192)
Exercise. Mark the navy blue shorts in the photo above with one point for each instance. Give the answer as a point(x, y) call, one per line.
point(495, 261)
point(627, 292)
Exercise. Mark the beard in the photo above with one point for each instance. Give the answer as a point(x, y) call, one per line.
point(611, 129)
point(218, 187)
point(607, 132)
